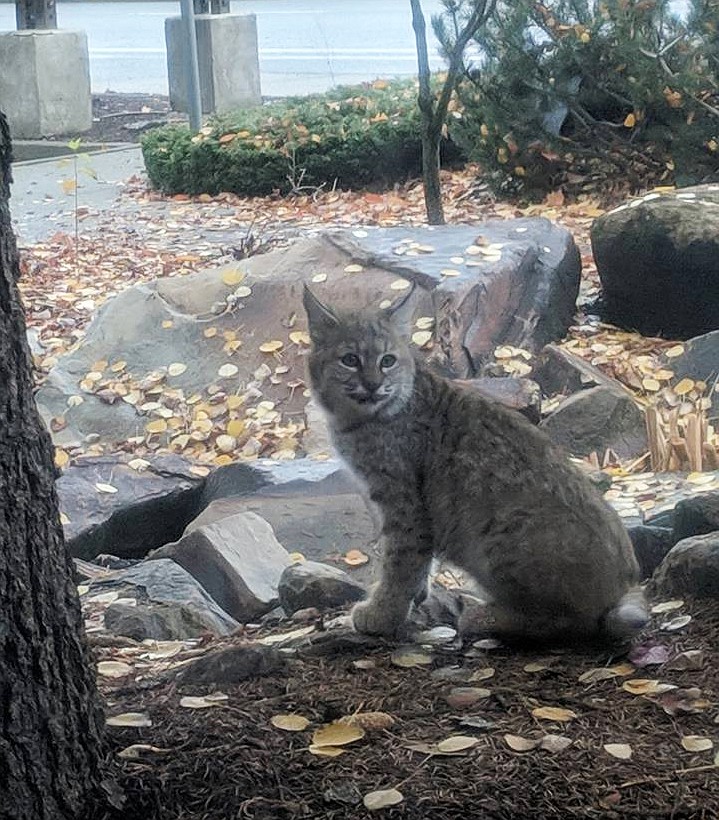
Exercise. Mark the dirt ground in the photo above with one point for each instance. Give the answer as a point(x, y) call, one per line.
point(229, 761)
point(126, 117)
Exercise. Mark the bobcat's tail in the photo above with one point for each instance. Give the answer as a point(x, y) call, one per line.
point(628, 617)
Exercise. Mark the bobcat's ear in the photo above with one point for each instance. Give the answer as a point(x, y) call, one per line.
point(401, 311)
point(320, 318)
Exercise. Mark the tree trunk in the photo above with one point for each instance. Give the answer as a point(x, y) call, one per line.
point(431, 124)
point(50, 717)
point(33, 14)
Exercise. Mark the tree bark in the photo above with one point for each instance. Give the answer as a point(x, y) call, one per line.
point(430, 130)
point(50, 717)
point(34, 14)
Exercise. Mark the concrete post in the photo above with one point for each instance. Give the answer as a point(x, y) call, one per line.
point(228, 62)
point(45, 82)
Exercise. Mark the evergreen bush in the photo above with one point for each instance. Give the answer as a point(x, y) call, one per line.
point(351, 137)
point(578, 94)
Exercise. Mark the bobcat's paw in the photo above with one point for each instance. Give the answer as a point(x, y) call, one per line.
point(371, 619)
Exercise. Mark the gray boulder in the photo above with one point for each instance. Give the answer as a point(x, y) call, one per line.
point(558, 371)
point(311, 584)
point(697, 515)
point(165, 582)
point(657, 262)
point(159, 622)
point(230, 665)
point(237, 559)
point(700, 361)
point(516, 283)
point(596, 419)
point(691, 567)
point(650, 544)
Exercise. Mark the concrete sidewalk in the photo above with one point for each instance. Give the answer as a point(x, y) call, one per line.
point(43, 197)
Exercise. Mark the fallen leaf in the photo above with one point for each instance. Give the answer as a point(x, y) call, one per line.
point(105, 488)
point(272, 346)
point(457, 743)
point(556, 713)
point(227, 371)
point(645, 686)
point(696, 743)
point(203, 701)
point(482, 674)
point(137, 750)
point(410, 657)
point(667, 606)
point(381, 799)
point(300, 337)
point(130, 719)
point(536, 666)
point(289, 722)
point(400, 284)
point(337, 734)
point(622, 751)
point(355, 558)
point(422, 337)
point(691, 659)
point(462, 697)
point(517, 743)
point(319, 277)
point(232, 277)
point(114, 669)
point(176, 368)
point(649, 654)
point(676, 623)
point(353, 269)
point(555, 743)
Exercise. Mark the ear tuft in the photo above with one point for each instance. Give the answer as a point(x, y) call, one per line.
point(320, 318)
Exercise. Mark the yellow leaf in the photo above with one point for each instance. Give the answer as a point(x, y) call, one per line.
point(337, 734)
point(297, 558)
point(176, 368)
point(61, 458)
point(319, 277)
point(674, 351)
point(271, 347)
point(225, 138)
point(685, 386)
point(118, 366)
point(235, 427)
point(134, 719)
point(232, 277)
point(168, 323)
point(353, 269)
point(712, 145)
point(553, 713)
point(299, 337)
point(156, 426)
point(630, 121)
point(355, 558)
point(651, 385)
point(290, 723)
point(204, 701)
point(450, 272)
point(209, 332)
point(422, 337)
point(69, 186)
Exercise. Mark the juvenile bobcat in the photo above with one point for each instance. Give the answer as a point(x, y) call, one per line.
point(463, 478)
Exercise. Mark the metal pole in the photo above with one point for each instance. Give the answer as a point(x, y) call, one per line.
point(194, 99)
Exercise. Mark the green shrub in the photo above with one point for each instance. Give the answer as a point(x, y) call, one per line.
point(582, 94)
point(352, 137)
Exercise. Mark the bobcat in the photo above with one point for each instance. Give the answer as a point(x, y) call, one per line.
point(462, 478)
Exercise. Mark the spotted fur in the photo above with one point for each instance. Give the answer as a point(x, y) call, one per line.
point(462, 478)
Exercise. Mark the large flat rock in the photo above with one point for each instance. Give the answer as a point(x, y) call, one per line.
point(158, 352)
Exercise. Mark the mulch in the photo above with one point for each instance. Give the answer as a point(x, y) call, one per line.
point(229, 761)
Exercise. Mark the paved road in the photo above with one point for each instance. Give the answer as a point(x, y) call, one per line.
point(305, 45)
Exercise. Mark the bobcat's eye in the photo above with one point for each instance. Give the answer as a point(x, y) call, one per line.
point(387, 361)
point(351, 360)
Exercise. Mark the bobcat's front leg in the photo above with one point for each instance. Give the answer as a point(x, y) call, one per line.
point(407, 554)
